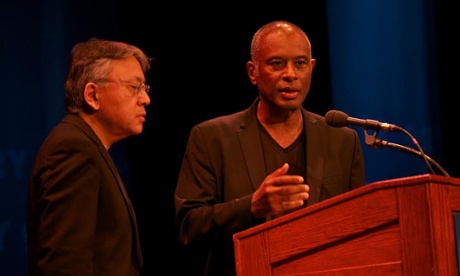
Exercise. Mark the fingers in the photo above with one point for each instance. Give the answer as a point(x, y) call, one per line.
point(288, 197)
point(280, 171)
point(273, 200)
point(286, 180)
point(279, 192)
point(293, 198)
point(288, 205)
point(279, 177)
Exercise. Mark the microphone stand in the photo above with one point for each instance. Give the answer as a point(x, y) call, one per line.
point(374, 142)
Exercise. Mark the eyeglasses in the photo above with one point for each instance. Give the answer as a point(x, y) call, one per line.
point(136, 88)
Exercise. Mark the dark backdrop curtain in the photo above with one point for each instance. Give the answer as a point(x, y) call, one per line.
point(383, 67)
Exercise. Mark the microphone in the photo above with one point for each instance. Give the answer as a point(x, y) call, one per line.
point(337, 118)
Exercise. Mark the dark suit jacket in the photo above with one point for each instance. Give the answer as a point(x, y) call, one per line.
point(223, 165)
point(80, 220)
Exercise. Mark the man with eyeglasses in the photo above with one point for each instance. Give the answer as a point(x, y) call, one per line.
point(80, 220)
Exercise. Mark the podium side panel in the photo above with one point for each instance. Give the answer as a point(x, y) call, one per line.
point(427, 231)
point(251, 256)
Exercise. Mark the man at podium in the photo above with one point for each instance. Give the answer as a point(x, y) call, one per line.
point(275, 157)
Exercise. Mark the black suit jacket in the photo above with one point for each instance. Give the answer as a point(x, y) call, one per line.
point(80, 220)
point(223, 165)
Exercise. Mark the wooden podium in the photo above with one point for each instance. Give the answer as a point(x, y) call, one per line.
point(402, 226)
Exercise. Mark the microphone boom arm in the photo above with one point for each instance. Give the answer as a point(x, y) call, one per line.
point(374, 142)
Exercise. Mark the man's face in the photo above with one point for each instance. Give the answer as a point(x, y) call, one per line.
point(283, 69)
point(122, 106)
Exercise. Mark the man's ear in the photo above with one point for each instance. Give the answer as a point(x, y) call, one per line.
point(251, 70)
point(90, 95)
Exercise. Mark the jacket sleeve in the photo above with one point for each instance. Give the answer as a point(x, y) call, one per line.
point(202, 214)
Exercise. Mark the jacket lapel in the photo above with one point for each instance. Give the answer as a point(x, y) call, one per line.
point(76, 120)
point(316, 143)
point(248, 134)
point(122, 188)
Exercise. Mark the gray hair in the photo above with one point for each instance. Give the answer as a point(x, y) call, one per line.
point(91, 60)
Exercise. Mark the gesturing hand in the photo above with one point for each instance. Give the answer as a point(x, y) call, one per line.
point(278, 193)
